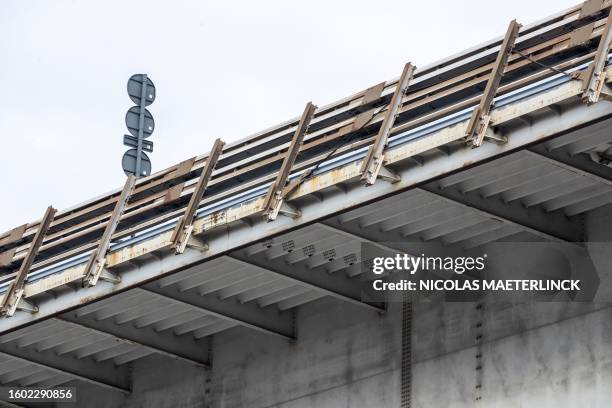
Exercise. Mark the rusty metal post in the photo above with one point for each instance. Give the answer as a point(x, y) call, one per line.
point(370, 95)
point(479, 122)
point(274, 198)
point(95, 266)
point(13, 298)
point(594, 78)
point(184, 228)
point(372, 164)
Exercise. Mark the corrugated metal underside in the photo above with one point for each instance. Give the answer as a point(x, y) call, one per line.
point(456, 211)
point(24, 373)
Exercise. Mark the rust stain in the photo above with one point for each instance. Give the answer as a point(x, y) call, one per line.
point(86, 299)
point(113, 258)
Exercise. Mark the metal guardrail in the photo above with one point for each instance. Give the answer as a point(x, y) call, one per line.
point(436, 97)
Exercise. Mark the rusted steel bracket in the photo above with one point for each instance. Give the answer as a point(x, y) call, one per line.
point(182, 169)
point(478, 126)
point(94, 270)
point(274, 202)
point(590, 7)
point(184, 228)
point(370, 95)
point(15, 234)
point(372, 166)
point(13, 298)
point(594, 78)
point(582, 34)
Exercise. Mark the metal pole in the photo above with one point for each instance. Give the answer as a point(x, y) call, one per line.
point(143, 99)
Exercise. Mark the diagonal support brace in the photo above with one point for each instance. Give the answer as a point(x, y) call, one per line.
point(94, 269)
point(276, 194)
point(594, 78)
point(360, 121)
point(13, 298)
point(374, 159)
point(479, 122)
point(184, 228)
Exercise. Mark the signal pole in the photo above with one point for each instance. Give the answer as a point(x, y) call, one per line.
point(140, 124)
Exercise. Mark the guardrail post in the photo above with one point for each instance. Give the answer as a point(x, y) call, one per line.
point(13, 298)
point(478, 126)
point(94, 269)
point(184, 228)
point(594, 78)
point(274, 201)
point(372, 166)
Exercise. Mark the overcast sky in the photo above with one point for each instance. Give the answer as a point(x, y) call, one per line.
point(222, 69)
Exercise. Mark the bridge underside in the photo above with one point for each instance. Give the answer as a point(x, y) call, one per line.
point(282, 321)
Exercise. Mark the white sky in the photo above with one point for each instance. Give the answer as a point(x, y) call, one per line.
point(222, 69)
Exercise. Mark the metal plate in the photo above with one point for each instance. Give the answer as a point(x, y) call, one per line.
point(129, 163)
point(134, 89)
point(132, 121)
point(131, 141)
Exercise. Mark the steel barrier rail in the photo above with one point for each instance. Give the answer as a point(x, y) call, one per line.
point(79, 229)
point(231, 234)
point(155, 180)
point(344, 159)
point(466, 60)
point(131, 231)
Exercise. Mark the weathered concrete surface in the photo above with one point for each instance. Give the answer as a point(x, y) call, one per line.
point(90, 396)
point(599, 243)
point(565, 364)
point(549, 361)
point(346, 356)
point(544, 355)
point(158, 381)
